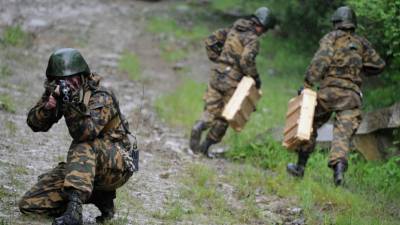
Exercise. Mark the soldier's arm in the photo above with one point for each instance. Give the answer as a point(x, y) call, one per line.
point(87, 127)
point(320, 62)
point(248, 58)
point(215, 42)
point(373, 64)
point(40, 118)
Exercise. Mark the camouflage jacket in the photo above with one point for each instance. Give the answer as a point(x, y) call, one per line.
point(339, 62)
point(236, 47)
point(85, 122)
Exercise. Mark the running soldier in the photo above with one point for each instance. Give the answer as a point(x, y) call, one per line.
point(337, 65)
point(234, 51)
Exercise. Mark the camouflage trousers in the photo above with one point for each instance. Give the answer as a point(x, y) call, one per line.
point(98, 166)
point(219, 91)
point(345, 125)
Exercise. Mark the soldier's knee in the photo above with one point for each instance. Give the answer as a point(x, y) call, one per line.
point(24, 206)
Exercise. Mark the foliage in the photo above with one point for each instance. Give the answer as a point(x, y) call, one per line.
point(7, 103)
point(379, 21)
point(14, 36)
point(129, 63)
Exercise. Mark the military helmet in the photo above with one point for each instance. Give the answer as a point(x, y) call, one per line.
point(264, 17)
point(344, 17)
point(66, 62)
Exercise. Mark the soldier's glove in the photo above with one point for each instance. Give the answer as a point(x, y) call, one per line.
point(258, 82)
point(300, 90)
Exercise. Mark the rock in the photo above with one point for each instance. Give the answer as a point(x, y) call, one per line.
point(164, 175)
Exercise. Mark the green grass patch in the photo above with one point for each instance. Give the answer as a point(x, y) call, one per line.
point(179, 31)
point(7, 103)
point(174, 212)
point(5, 71)
point(14, 36)
point(183, 106)
point(172, 53)
point(130, 64)
point(11, 127)
point(202, 191)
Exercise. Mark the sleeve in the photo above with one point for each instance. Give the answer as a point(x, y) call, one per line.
point(373, 64)
point(320, 62)
point(88, 126)
point(42, 119)
point(248, 58)
point(215, 42)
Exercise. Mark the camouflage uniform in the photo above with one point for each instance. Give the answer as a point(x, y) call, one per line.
point(337, 65)
point(98, 159)
point(234, 51)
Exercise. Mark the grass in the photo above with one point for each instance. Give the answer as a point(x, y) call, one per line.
point(130, 64)
point(5, 71)
point(14, 36)
point(171, 26)
point(172, 53)
point(201, 190)
point(183, 106)
point(7, 103)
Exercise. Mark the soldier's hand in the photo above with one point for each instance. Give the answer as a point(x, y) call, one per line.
point(258, 82)
point(300, 90)
point(51, 103)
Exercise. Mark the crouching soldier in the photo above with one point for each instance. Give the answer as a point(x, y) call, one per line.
point(99, 159)
point(234, 51)
point(338, 64)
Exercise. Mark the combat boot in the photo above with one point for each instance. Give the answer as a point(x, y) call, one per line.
point(195, 135)
point(206, 145)
point(338, 173)
point(104, 201)
point(297, 170)
point(73, 214)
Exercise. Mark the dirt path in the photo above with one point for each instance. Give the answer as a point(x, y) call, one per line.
point(103, 31)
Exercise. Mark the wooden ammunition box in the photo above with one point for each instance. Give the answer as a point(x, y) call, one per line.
point(242, 103)
point(299, 119)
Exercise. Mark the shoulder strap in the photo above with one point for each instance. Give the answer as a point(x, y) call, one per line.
point(116, 105)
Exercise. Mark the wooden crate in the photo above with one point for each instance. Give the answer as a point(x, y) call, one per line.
point(299, 119)
point(242, 103)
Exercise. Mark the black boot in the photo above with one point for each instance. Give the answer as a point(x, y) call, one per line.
point(73, 214)
point(297, 170)
point(104, 201)
point(338, 173)
point(206, 145)
point(195, 136)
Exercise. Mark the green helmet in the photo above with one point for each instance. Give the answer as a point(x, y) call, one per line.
point(66, 62)
point(264, 17)
point(344, 17)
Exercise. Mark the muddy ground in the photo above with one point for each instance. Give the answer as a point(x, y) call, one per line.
point(103, 30)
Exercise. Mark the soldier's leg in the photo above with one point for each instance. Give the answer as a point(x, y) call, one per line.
point(104, 201)
point(212, 108)
point(345, 125)
point(321, 116)
point(46, 196)
point(80, 169)
point(113, 171)
point(78, 182)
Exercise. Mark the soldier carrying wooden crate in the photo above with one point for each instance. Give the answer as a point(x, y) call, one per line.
point(337, 65)
point(234, 51)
